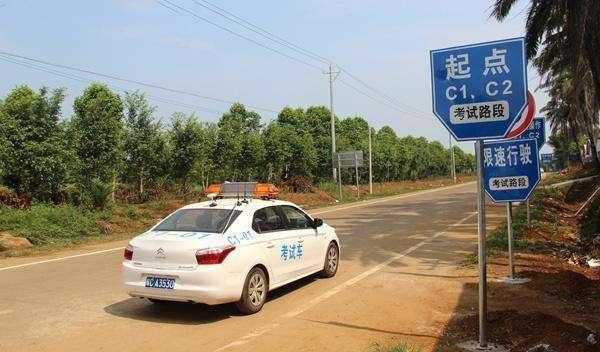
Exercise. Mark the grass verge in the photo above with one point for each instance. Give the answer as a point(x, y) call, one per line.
point(51, 227)
point(401, 347)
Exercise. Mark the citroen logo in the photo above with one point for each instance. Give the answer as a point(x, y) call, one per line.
point(160, 253)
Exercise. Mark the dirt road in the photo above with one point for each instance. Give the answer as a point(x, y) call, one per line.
point(397, 281)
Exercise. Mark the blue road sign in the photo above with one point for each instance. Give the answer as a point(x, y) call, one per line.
point(479, 91)
point(510, 169)
point(537, 131)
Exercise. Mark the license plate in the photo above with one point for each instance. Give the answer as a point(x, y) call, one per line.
point(160, 282)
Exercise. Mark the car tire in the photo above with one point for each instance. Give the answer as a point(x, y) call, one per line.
point(332, 261)
point(254, 294)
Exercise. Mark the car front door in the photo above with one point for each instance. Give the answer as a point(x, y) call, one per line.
point(307, 251)
point(270, 227)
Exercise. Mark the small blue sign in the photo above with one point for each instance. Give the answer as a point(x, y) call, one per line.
point(537, 131)
point(510, 169)
point(479, 91)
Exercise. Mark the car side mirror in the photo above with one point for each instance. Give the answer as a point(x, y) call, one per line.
point(317, 222)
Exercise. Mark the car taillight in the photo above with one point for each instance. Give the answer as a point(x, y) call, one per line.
point(213, 255)
point(128, 253)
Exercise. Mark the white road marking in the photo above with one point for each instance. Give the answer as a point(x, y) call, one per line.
point(327, 294)
point(62, 258)
point(357, 205)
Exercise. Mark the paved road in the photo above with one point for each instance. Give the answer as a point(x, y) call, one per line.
point(395, 281)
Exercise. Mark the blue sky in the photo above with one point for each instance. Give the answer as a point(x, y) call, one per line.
point(385, 43)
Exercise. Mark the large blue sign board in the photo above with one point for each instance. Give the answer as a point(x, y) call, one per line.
point(537, 131)
point(510, 169)
point(479, 91)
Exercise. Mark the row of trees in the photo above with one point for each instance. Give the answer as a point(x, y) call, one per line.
point(563, 42)
point(114, 140)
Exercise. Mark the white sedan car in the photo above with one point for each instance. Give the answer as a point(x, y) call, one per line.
point(228, 250)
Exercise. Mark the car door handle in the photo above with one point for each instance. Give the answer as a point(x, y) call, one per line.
point(270, 245)
point(300, 241)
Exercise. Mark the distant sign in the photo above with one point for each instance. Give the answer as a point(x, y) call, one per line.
point(537, 131)
point(511, 169)
point(352, 158)
point(479, 91)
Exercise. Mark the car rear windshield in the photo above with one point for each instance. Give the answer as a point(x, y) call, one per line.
point(198, 220)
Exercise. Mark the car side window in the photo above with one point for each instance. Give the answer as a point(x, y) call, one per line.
point(296, 219)
point(266, 220)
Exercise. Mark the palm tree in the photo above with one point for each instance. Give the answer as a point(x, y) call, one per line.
point(563, 39)
point(579, 20)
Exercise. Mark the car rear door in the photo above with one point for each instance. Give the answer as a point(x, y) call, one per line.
point(269, 225)
point(307, 251)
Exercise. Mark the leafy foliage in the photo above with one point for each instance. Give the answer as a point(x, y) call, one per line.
point(563, 40)
point(33, 154)
point(112, 140)
point(97, 131)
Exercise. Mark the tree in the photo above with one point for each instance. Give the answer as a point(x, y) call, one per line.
point(239, 151)
point(290, 151)
point(563, 37)
point(98, 139)
point(318, 123)
point(186, 139)
point(32, 151)
point(144, 144)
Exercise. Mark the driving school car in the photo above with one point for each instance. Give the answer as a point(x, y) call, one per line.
point(234, 248)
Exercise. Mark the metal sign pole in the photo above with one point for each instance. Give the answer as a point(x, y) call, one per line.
point(481, 255)
point(339, 175)
point(453, 170)
point(509, 230)
point(356, 168)
point(528, 213)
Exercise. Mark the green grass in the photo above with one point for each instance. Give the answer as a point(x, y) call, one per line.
point(45, 224)
point(401, 347)
point(498, 239)
point(590, 224)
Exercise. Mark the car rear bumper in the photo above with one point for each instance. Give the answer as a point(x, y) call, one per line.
point(208, 284)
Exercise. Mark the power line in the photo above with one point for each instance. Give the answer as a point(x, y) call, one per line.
point(192, 13)
point(122, 79)
point(285, 43)
point(407, 113)
point(385, 96)
point(87, 81)
point(261, 31)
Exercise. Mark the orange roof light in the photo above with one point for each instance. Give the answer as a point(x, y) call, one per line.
point(243, 189)
point(215, 188)
point(266, 191)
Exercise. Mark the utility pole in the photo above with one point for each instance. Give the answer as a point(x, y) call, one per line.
point(370, 164)
point(332, 76)
point(453, 169)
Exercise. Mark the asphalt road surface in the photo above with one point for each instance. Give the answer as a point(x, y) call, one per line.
point(395, 282)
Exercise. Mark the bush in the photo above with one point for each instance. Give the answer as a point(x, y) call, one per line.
point(45, 224)
point(10, 199)
point(298, 184)
point(590, 223)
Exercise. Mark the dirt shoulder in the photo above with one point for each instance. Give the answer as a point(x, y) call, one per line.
point(56, 228)
point(559, 309)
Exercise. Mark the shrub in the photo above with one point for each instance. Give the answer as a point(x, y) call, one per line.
point(45, 224)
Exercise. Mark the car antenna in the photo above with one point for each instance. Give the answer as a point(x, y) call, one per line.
point(229, 217)
point(245, 200)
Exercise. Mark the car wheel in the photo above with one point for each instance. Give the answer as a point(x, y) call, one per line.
point(254, 294)
point(332, 260)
